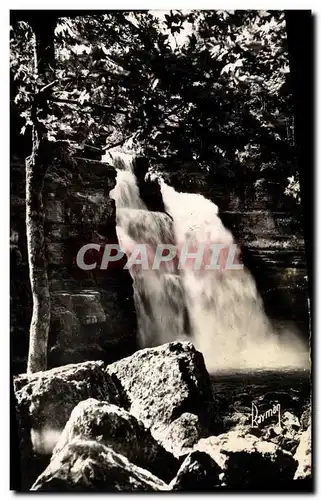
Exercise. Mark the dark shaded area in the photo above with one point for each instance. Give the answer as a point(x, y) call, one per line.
point(149, 189)
point(15, 469)
point(298, 486)
point(279, 302)
point(38, 16)
point(300, 31)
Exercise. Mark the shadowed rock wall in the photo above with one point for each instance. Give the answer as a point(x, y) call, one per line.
point(93, 315)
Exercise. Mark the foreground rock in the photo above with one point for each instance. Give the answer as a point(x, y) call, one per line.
point(44, 402)
point(117, 429)
point(91, 466)
point(246, 460)
point(236, 420)
point(181, 435)
point(46, 399)
point(303, 456)
point(287, 436)
point(305, 419)
point(163, 383)
point(198, 472)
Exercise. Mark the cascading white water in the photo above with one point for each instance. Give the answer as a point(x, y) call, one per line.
point(158, 295)
point(228, 320)
point(220, 311)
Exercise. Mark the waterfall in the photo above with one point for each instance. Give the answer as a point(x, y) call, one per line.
point(158, 295)
point(220, 311)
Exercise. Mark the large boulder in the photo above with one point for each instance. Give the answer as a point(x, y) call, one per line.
point(198, 472)
point(117, 429)
point(47, 398)
point(44, 402)
point(303, 456)
point(163, 383)
point(182, 434)
point(91, 466)
point(248, 461)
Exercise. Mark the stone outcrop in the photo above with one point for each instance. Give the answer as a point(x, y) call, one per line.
point(246, 460)
point(49, 397)
point(305, 419)
point(163, 383)
point(90, 466)
point(287, 437)
point(303, 456)
point(198, 472)
point(182, 434)
point(116, 428)
point(44, 402)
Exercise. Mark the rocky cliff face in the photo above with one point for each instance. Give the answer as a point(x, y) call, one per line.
point(93, 315)
point(271, 238)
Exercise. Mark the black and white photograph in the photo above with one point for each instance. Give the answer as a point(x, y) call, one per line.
point(160, 250)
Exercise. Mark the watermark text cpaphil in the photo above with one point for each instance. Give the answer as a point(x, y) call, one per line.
point(145, 257)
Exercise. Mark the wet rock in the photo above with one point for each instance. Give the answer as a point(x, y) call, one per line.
point(287, 436)
point(198, 472)
point(72, 315)
point(149, 189)
point(65, 324)
point(290, 432)
point(290, 421)
point(305, 419)
point(49, 397)
point(45, 400)
point(90, 466)
point(117, 429)
point(90, 325)
point(182, 434)
point(247, 460)
point(236, 419)
point(54, 210)
point(164, 382)
point(303, 456)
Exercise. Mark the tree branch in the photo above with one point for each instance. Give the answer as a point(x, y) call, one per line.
point(89, 104)
point(51, 84)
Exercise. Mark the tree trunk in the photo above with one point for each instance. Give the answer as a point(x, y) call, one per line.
point(39, 328)
point(36, 166)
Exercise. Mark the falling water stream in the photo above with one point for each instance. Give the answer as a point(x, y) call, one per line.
point(221, 312)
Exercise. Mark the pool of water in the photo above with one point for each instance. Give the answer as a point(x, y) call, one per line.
point(236, 391)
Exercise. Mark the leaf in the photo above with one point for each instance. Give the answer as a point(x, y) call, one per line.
point(154, 84)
